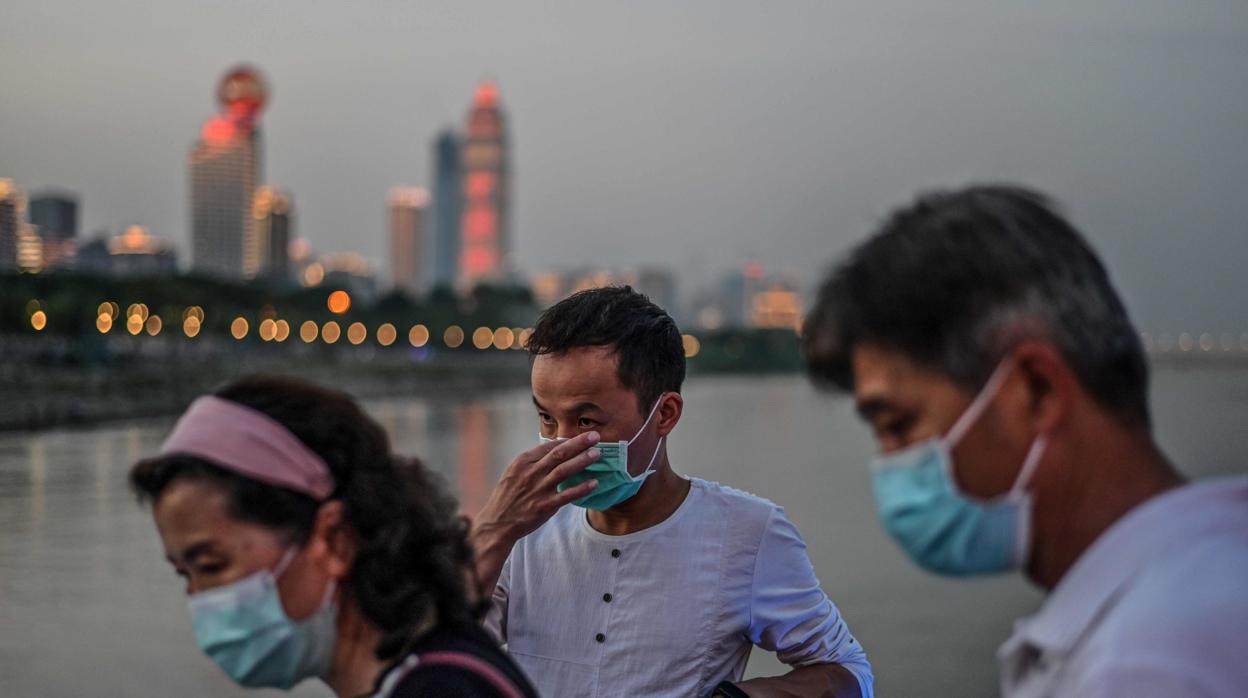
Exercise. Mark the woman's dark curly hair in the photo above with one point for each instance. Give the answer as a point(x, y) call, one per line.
point(412, 552)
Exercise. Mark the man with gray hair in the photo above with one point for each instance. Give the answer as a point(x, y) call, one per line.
point(1008, 391)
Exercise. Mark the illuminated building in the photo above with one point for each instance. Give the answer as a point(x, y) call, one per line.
point(225, 168)
point(547, 288)
point(406, 209)
point(135, 252)
point(273, 214)
point(12, 223)
point(446, 208)
point(351, 272)
point(659, 285)
point(485, 219)
point(749, 298)
point(776, 306)
point(29, 249)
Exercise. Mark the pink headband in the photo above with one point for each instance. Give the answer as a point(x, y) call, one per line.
point(250, 443)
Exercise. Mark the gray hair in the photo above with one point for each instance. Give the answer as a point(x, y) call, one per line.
point(957, 279)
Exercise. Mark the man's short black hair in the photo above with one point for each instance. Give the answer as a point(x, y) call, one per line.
point(644, 338)
point(956, 279)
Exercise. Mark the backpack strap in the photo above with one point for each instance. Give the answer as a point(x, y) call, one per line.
point(474, 665)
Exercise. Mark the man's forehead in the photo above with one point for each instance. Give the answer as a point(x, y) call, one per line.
point(582, 368)
point(584, 374)
point(879, 373)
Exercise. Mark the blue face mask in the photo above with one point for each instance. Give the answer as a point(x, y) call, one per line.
point(244, 629)
point(942, 528)
point(615, 483)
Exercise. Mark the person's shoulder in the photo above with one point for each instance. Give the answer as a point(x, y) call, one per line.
point(561, 525)
point(444, 680)
point(1186, 598)
point(745, 508)
point(460, 661)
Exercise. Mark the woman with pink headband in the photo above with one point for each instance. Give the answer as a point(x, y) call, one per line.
point(309, 550)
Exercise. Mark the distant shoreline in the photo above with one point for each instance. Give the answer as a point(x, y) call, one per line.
point(38, 398)
point(45, 397)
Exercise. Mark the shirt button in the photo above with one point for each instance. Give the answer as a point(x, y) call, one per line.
point(606, 598)
point(615, 552)
point(600, 637)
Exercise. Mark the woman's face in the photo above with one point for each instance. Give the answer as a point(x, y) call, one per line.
point(209, 548)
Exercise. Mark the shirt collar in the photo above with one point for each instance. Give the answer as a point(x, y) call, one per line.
point(1113, 559)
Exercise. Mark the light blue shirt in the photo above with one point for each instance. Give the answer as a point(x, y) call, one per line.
point(671, 610)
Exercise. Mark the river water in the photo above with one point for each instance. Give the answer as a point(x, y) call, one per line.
point(88, 606)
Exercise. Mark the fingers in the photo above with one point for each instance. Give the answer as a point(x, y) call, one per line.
point(573, 493)
point(538, 452)
point(566, 450)
point(570, 467)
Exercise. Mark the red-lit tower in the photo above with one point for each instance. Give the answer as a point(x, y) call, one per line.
point(485, 227)
point(225, 170)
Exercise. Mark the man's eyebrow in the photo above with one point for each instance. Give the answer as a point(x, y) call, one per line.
point(578, 408)
point(871, 406)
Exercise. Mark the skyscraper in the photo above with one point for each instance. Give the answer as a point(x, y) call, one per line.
point(273, 215)
point(55, 217)
point(446, 208)
point(225, 168)
point(56, 214)
point(485, 236)
point(408, 259)
point(12, 222)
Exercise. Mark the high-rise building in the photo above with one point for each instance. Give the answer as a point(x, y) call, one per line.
point(225, 169)
point(12, 223)
point(446, 208)
point(485, 223)
point(406, 209)
point(274, 215)
point(54, 214)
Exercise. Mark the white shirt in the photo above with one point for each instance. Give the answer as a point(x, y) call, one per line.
point(1157, 606)
point(671, 610)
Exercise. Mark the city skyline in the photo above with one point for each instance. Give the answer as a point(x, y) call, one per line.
point(734, 132)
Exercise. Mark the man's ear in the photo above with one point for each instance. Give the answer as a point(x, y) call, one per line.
point(333, 541)
point(671, 407)
point(1050, 385)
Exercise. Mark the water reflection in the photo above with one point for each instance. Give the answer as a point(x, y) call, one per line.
point(476, 456)
point(83, 581)
point(38, 481)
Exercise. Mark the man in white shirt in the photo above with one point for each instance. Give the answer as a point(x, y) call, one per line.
point(651, 584)
point(997, 366)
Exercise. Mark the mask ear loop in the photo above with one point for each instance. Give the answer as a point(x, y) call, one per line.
point(649, 466)
point(968, 418)
point(648, 418)
point(1018, 491)
point(978, 405)
point(284, 563)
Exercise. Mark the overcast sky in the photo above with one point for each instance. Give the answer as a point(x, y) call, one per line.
point(689, 134)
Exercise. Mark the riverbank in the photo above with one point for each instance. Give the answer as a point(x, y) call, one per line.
point(41, 397)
